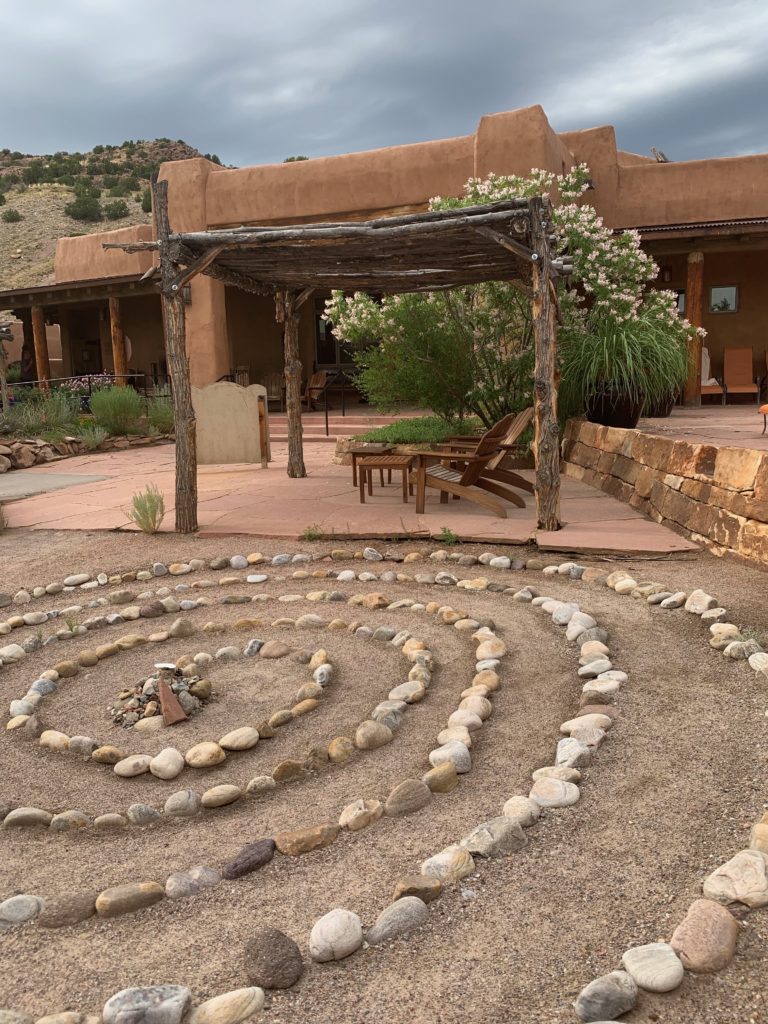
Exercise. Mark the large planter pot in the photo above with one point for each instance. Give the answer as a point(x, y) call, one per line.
point(662, 408)
point(613, 408)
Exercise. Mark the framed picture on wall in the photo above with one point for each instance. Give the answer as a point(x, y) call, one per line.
point(724, 298)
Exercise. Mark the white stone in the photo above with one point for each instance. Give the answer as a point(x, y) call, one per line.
point(742, 879)
point(230, 1007)
point(454, 751)
point(134, 764)
point(554, 793)
point(335, 936)
point(167, 764)
point(655, 967)
point(521, 809)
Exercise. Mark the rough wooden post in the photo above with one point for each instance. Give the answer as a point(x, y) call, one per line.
point(694, 312)
point(286, 314)
point(546, 430)
point(41, 348)
point(178, 368)
point(28, 364)
point(119, 357)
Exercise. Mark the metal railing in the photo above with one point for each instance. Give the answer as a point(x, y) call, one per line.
point(83, 385)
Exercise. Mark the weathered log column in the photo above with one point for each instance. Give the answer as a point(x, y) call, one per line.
point(286, 313)
point(546, 430)
point(41, 348)
point(119, 358)
point(694, 312)
point(28, 364)
point(178, 369)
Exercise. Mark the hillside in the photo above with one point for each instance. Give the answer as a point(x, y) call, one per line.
point(110, 182)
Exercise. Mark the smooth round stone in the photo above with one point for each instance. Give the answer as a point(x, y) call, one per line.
point(608, 997)
point(142, 814)
point(335, 936)
point(459, 733)
point(184, 804)
point(397, 919)
point(229, 1008)
point(26, 817)
point(167, 764)
point(219, 796)
point(240, 739)
point(487, 678)
point(251, 858)
point(554, 793)
point(411, 692)
point(655, 967)
point(156, 1004)
point(468, 719)
point(274, 649)
point(272, 959)
point(134, 764)
point(18, 909)
point(454, 752)
point(587, 721)
point(123, 899)
point(479, 706)
point(706, 939)
point(77, 579)
point(153, 724)
point(69, 821)
point(360, 814)
point(309, 691)
point(179, 885)
point(68, 909)
point(522, 810)
point(107, 755)
point(450, 865)
point(204, 755)
point(491, 648)
point(557, 771)
point(371, 735)
point(408, 796)
point(110, 821)
point(52, 739)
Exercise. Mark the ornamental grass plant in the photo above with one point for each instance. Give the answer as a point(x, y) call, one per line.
point(147, 509)
point(118, 410)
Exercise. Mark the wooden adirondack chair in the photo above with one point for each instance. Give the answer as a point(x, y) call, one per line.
point(314, 388)
point(495, 468)
point(738, 374)
point(465, 482)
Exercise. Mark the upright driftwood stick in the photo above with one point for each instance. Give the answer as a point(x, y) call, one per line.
point(117, 334)
point(694, 312)
point(41, 348)
point(546, 430)
point(286, 314)
point(178, 367)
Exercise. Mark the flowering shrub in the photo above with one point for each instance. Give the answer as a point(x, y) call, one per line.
point(490, 324)
point(84, 385)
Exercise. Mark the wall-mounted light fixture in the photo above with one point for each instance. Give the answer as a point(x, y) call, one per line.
point(666, 274)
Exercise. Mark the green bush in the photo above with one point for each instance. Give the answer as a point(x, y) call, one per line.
point(116, 210)
point(41, 414)
point(146, 201)
point(420, 430)
point(2, 199)
point(91, 435)
point(117, 410)
point(161, 415)
point(84, 208)
point(11, 216)
point(147, 509)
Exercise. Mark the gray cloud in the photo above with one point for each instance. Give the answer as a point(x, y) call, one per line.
point(257, 81)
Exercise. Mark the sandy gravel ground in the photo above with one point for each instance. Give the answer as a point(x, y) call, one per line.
point(671, 794)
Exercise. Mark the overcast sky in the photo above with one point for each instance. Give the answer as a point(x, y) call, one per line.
point(259, 80)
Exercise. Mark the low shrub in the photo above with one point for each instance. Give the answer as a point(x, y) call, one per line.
point(116, 210)
point(47, 414)
point(117, 410)
point(161, 415)
point(11, 216)
point(91, 435)
point(421, 430)
point(147, 509)
point(84, 208)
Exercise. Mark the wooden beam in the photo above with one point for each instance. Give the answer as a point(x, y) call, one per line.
point(28, 363)
point(119, 355)
point(302, 297)
point(178, 368)
point(41, 348)
point(286, 314)
point(694, 312)
point(197, 267)
point(546, 429)
point(507, 243)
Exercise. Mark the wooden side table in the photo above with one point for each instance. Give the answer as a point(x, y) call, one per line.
point(368, 449)
point(366, 464)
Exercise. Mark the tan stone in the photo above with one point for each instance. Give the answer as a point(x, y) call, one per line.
point(442, 779)
point(374, 600)
point(360, 814)
point(426, 887)
point(340, 749)
point(320, 657)
point(66, 669)
point(304, 707)
point(288, 771)
point(220, 796)
point(243, 738)
point(759, 837)
point(706, 938)
point(371, 735)
point(123, 899)
point(742, 879)
point(450, 865)
point(487, 678)
point(282, 717)
point(87, 659)
point(52, 739)
point(408, 796)
point(304, 840)
point(107, 755)
point(736, 468)
point(204, 755)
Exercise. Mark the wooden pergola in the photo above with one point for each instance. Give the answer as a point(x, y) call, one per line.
point(421, 252)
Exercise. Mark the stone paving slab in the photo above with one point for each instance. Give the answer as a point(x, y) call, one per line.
point(23, 483)
point(267, 503)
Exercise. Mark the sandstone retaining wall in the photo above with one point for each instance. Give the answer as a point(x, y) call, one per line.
point(716, 495)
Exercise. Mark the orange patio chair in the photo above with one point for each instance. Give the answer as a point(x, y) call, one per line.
point(738, 374)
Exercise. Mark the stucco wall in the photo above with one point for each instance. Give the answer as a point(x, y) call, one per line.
point(82, 258)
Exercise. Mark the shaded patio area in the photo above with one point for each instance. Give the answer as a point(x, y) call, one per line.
point(731, 426)
point(266, 503)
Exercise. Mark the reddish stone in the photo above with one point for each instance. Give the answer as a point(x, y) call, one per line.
point(173, 712)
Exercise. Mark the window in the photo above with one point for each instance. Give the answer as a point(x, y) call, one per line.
point(724, 299)
point(330, 353)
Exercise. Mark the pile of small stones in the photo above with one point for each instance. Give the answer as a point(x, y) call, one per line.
point(142, 700)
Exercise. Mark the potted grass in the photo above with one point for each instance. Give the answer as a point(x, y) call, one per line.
point(613, 370)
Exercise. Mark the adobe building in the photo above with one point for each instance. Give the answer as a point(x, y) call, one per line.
point(704, 221)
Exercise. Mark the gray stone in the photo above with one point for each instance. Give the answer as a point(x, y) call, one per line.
point(253, 647)
point(251, 857)
point(655, 967)
point(156, 1004)
point(606, 998)
point(372, 555)
point(19, 909)
point(142, 814)
point(238, 562)
point(183, 804)
point(272, 959)
point(181, 884)
point(398, 918)
point(495, 837)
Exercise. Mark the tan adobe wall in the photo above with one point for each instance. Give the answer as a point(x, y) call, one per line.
point(718, 496)
point(82, 258)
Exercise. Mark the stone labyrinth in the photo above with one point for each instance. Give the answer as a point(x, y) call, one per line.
point(343, 704)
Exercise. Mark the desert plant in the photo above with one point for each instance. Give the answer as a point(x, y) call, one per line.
point(147, 509)
point(146, 201)
point(92, 435)
point(11, 216)
point(160, 415)
point(420, 430)
point(3, 520)
point(447, 537)
point(116, 210)
point(43, 414)
point(313, 532)
point(84, 207)
point(118, 410)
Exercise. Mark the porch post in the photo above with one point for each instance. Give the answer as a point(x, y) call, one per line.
point(694, 312)
point(119, 359)
point(41, 348)
point(28, 364)
point(287, 315)
point(546, 429)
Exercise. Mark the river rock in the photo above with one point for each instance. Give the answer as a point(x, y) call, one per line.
point(243, 738)
point(134, 764)
point(124, 899)
point(705, 940)
point(408, 796)
point(454, 752)
point(251, 857)
point(554, 793)
point(142, 814)
point(371, 735)
point(450, 865)
point(742, 879)
point(335, 936)
point(398, 918)
point(442, 779)
point(655, 967)
point(522, 810)
point(304, 840)
point(272, 959)
point(495, 837)
point(220, 796)
point(71, 908)
point(26, 817)
point(274, 649)
point(229, 1008)
point(340, 749)
point(167, 764)
point(360, 814)
point(204, 755)
point(608, 997)
point(572, 754)
point(183, 804)
point(155, 1004)
point(20, 909)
